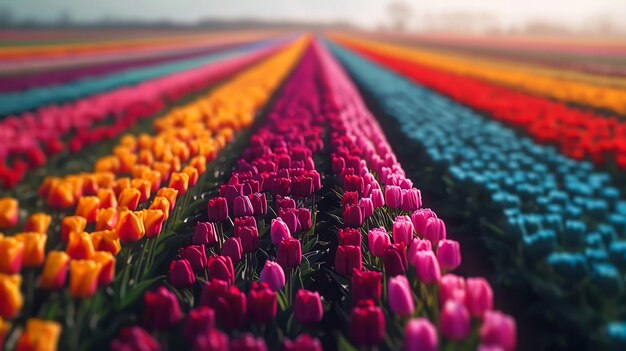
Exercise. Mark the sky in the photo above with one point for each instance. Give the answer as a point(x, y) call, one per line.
point(365, 13)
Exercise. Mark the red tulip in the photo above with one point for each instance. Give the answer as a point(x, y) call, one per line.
point(262, 304)
point(395, 260)
point(218, 209)
point(366, 285)
point(232, 248)
point(367, 324)
point(181, 274)
point(347, 258)
point(289, 253)
point(353, 216)
point(161, 310)
point(221, 267)
point(307, 307)
point(349, 236)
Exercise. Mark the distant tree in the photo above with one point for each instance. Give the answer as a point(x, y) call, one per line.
point(400, 13)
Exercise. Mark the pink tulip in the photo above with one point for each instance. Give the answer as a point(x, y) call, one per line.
point(427, 267)
point(273, 275)
point(378, 199)
point(454, 321)
point(449, 254)
point(420, 218)
point(498, 330)
point(478, 296)
point(402, 230)
point(435, 230)
point(451, 287)
point(400, 296)
point(393, 196)
point(279, 231)
point(420, 334)
point(377, 241)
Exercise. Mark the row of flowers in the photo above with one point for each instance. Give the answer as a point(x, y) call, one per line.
point(33, 137)
point(277, 176)
point(551, 85)
point(577, 133)
point(114, 220)
point(559, 222)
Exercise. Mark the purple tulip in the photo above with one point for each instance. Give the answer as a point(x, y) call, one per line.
point(218, 209)
point(204, 234)
point(242, 207)
point(196, 255)
point(181, 274)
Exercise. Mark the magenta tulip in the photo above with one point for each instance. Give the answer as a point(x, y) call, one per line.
point(367, 206)
point(196, 256)
point(218, 209)
point(262, 304)
point(304, 342)
point(478, 296)
point(455, 321)
point(204, 234)
point(427, 267)
point(498, 330)
point(378, 199)
point(279, 231)
point(411, 199)
point(273, 275)
point(400, 296)
point(347, 258)
point(435, 230)
point(221, 267)
point(248, 342)
point(449, 254)
point(201, 320)
point(304, 218)
point(451, 287)
point(232, 248)
point(366, 285)
point(420, 334)
point(377, 241)
point(353, 216)
point(393, 196)
point(367, 324)
point(181, 274)
point(289, 253)
point(242, 207)
point(420, 218)
point(161, 309)
point(395, 260)
point(349, 236)
point(307, 307)
point(402, 230)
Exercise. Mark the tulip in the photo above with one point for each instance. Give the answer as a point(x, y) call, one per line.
point(214, 340)
point(411, 200)
point(39, 335)
point(80, 246)
point(154, 178)
point(259, 204)
point(427, 267)
point(38, 223)
point(395, 260)
point(230, 191)
point(196, 256)
point(143, 186)
point(5, 327)
point(367, 324)
point(130, 227)
point(367, 206)
point(393, 196)
point(304, 219)
point(418, 245)
point(435, 230)
point(302, 186)
point(9, 212)
point(106, 240)
point(170, 194)
point(61, 196)
point(353, 216)
point(107, 198)
point(449, 254)
point(106, 219)
point(242, 207)
point(451, 287)
point(221, 267)
point(262, 304)
point(301, 343)
point(201, 320)
point(289, 253)
point(73, 224)
point(180, 182)
point(161, 309)
point(420, 334)
point(204, 234)
point(420, 219)
point(279, 231)
point(366, 285)
point(349, 236)
point(378, 199)
point(106, 260)
point(192, 173)
point(454, 321)
point(290, 218)
point(181, 274)
point(283, 203)
point(134, 338)
point(307, 307)
point(12, 253)
point(88, 207)
point(211, 291)
point(232, 248)
point(280, 186)
point(348, 257)
point(218, 209)
point(478, 296)
point(163, 204)
point(129, 198)
point(400, 296)
point(153, 222)
point(11, 300)
point(377, 241)
point(249, 236)
point(34, 248)
point(273, 275)
point(230, 308)
point(402, 230)
point(248, 342)
point(498, 330)
point(84, 276)
point(55, 270)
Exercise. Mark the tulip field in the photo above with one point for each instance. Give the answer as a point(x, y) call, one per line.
point(284, 191)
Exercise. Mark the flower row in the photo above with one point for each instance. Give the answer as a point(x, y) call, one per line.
point(550, 85)
point(560, 220)
point(114, 213)
point(31, 137)
point(578, 134)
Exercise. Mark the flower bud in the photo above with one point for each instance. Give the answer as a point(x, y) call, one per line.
point(273, 275)
point(153, 222)
point(84, 276)
point(106, 260)
point(349, 236)
point(80, 246)
point(478, 296)
point(232, 248)
point(348, 257)
point(279, 231)
point(204, 234)
point(55, 269)
point(106, 240)
point(11, 299)
point(249, 236)
point(201, 320)
point(307, 307)
point(289, 253)
point(393, 196)
point(196, 255)
point(180, 182)
point(34, 248)
point(427, 267)
point(353, 216)
point(170, 194)
point(39, 335)
point(435, 230)
point(420, 219)
point(221, 267)
point(366, 285)
point(130, 226)
point(12, 254)
point(395, 260)
point(72, 224)
point(218, 209)
point(38, 223)
point(451, 287)
point(402, 230)
point(106, 219)
point(181, 274)
point(449, 254)
point(377, 241)
point(129, 198)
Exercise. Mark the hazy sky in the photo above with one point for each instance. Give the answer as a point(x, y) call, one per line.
point(367, 13)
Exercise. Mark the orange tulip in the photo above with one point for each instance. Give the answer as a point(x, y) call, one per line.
point(170, 194)
point(75, 182)
point(146, 157)
point(130, 226)
point(164, 168)
point(105, 180)
point(11, 300)
point(38, 223)
point(61, 196)
point(54, 271)
point(9, 209)
point(163, 204)
point(90, 184)
point(107, 164)
point(72, 224)
point(39, 335)
point(154, 178)
point(88, 207)
point(107, 267)
point(106, 240)
point(34, 248)
point(199, 163)
point(153, 222)
point(84, 276)
point(129, 141)
point(12, 251)
point(47, 184)
point(193, 175)
point(129, 198)
point(138, 170)
point(80, 246)
point(127, 161)
point(106, 218)
point(121, 184)
point(144, 187)
point(107, 198)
